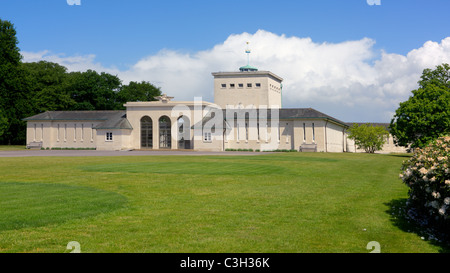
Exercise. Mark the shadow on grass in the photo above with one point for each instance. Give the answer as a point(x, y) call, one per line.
point(400, 218)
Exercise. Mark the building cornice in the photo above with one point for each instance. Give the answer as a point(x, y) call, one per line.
point(246, 73)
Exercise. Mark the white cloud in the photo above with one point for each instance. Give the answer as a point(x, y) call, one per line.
point(350, 80)
point(72, 63)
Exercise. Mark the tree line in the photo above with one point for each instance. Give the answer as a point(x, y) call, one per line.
point(418, 121)
point(27, 89)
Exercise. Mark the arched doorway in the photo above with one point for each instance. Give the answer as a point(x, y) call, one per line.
point(184, 133)
point(146, 133)
point(165, 137)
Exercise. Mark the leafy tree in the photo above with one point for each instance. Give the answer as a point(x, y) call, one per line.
point(134, 91)
point(368, 137)
point(9, 54)
point(12, 92)
point(426, 114)
point(93, 91)
point(47, 86)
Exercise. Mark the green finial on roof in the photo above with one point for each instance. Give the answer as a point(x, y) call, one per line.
point(248, 67)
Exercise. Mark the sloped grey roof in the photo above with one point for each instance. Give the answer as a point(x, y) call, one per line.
point(306, 113)
point(111, 119)
point(284, 113)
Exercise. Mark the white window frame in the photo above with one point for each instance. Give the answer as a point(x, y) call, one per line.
point(92, 132)
point(304, 132)
point(82, 132)
point(207, 137)
point(313, 133)
point(109, 136)
point(57, 133)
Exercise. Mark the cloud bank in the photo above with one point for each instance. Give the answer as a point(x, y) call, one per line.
point(349, 80)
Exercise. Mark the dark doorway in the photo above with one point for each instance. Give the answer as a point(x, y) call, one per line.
point(184, 133)
point(146, 133)
point(165, 136)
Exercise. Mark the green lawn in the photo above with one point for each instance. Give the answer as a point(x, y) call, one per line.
point(12, 147)
point(281, 202)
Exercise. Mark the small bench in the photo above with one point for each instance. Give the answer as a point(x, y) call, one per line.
point(308, 147)
point(34, 145)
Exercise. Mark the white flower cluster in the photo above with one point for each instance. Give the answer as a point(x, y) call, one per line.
point(427, 174)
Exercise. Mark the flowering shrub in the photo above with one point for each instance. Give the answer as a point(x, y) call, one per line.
point(427, 174)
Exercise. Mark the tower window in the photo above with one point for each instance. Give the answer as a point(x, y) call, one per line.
point(249, 85)
point(258, 84)
point(232, 85)
point(224, 85)
point(241, 85)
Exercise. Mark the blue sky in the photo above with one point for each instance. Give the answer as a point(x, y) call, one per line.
point(122, 36)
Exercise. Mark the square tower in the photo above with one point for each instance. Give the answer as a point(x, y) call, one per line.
point(247, 87)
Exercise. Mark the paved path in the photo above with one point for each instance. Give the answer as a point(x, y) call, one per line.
point(26, 153)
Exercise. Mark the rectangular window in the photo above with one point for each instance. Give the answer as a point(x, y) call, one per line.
point(249, 85)
point(257, 127)
point(241, 85)
point(246, 131)
point(224, 85)
point(82, 132)
point(92, 132)
point(279, 132)
point(34, 137)
point(304, 132)
point(57, 134)
point(258, 85)
point(267, 133)
point(232, 85)
point(65, 132)
point(109, 136)
point(314, 135)
point(207, 137)
point(74, 132)
point(287, 133)
point(42, 132)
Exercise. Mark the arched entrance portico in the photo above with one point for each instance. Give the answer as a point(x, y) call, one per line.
point(165, 137)
point(184, 133)
point(146, 133)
